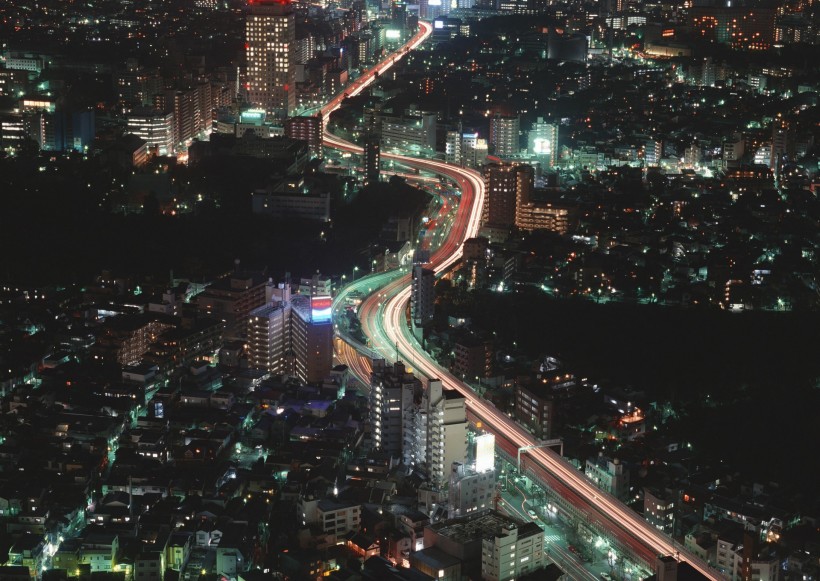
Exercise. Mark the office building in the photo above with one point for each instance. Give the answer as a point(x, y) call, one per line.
point(469, 491)
point(489, 545)
point(465, 149)
point(312, 338)
point(316, 285)
point(393, 391)
point(155, 127)
point(63, 130)
point(307, 129)
point(423, 296)
point(504, 135)
point(292, 335)
point(505, 184)
point(413, 132)
point(270, 38)
point(291, 198)
point(136, 85)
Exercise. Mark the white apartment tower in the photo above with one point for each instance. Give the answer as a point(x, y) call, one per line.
point(270, 41)
point(543, 141)
point(438, 437)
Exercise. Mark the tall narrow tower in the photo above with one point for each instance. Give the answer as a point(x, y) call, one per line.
point(270, 41)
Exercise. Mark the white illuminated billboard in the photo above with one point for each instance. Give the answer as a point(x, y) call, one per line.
point(392, 34)
point(542, 146)
point(484, 452)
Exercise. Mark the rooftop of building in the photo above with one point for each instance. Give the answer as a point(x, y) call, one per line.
point(480, 526)
point(435, 558)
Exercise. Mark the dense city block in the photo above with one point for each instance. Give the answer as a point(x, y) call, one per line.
point(383, 290)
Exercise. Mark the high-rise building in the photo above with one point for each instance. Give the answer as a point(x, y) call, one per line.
point(372, 159)
point(269, 337)
point(270, 40)
point(782, 142)
point(292, 335)
point(312, 338)
point(423, 297)
point(308, 129)
point(155, 127)
point(543, 141)
point(393, 391)
point(231, 299)
point(742, 27)
point(504, 135)
point(653, 152)
point(192, 107)
point(466, 149)
point(438, 436)
point(506, 184)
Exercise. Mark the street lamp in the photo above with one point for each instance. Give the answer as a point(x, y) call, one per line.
point(355, 269)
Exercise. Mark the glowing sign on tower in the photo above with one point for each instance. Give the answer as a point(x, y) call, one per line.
point(320, 309)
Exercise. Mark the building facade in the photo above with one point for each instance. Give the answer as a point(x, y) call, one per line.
point(438, 436)
point(506, 183)
point(504, 135)
point(512, 551)
point(423, 296)
point(393, 391)
point(308, 129)
point(469, 491)
point(270, 38)
point(609, 475)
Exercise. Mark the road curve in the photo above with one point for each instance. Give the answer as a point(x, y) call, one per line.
point(383, 316)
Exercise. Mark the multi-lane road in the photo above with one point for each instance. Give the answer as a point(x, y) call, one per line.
point(383, 316)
